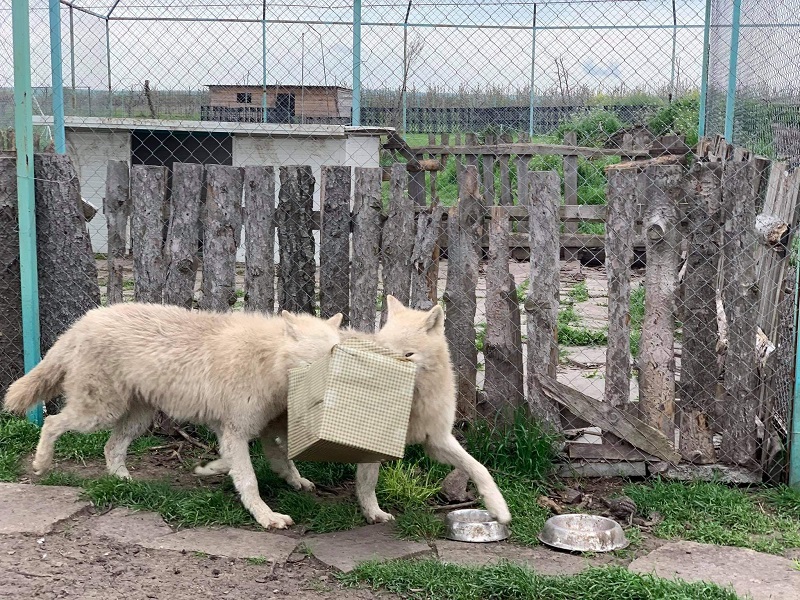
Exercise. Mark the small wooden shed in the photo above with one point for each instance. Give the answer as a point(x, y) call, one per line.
point(284, 103)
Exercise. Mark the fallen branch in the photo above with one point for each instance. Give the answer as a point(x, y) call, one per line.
point(193, 441)
point(456, 506)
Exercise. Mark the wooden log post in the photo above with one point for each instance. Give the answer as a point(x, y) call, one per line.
point(471, 140)
point(425, 258)
point(464, 227)
point(334, 250)
point(416, 184)
point(296, 239)
point(506, 197)
point(663, 193)
point(367, 207)
point(148, 202)
point(117, 208)
point(504, 386)
point(181, 249)
point(698, 388)
point(222, 234)
point(397, 243)
point(259, 239)
point(740, 298)
point(571, 179)
point(68, 286)
point(622, 194)
point(489, 197)
point(11, 357)
point(541, 304)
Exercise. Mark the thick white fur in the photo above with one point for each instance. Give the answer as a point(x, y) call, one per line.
point(118, 365)
point(419, 335)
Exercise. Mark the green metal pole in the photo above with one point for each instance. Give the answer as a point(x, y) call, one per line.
point(108, 64)
point(730, 100)
point(701, 124)
point(356, 120)
point(532, 100)
point(23, 124)
point(674, 50)
point(72, 56)
point(794, 424)
point(59, 138)
point(264, 61)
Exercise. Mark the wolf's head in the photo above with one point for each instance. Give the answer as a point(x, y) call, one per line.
point(309, 337)
point(416, 334)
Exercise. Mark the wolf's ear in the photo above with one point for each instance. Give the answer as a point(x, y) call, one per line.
point(394, 305)
point(434, 320)
point(290, 323)
point(336, 320)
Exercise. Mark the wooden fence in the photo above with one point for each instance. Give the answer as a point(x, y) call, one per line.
point(716, 237)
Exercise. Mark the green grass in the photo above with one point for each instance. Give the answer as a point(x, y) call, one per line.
point(579, 292)
point(404, 485)
point(637, 318)
point(572, 333)
point(432, 579)
point(419, 524)
point(764, 520)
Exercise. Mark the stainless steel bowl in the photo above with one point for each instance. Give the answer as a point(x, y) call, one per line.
point(473, 525)
point(583, 533)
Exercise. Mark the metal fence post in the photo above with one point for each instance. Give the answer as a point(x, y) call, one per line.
point(59, 140)
point(701, 121)
point(730, 100)
point(356, 119)
point(794, 424)
point(23, 123)
point(532, 99)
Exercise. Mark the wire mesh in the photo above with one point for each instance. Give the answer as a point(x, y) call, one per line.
point(494, 89)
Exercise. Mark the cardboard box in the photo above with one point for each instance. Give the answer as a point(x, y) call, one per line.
point(351, 406)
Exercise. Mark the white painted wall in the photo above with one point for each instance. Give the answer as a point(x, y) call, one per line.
point(91, 151)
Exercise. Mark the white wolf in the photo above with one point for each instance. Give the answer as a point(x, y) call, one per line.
point(117, 366)
point(419, 335)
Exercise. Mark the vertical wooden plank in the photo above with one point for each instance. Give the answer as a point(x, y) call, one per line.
point(296, 239)
point(698, 389)
point(425, 258)
point(504, 386)
point(416, 184)
point(571, 180)
point(657, 347)
point(488, 172)
point(432, 142)
point(259, 239)
point(148, 202)
point(541, 304)
point(621, 200)
point(459, 158)
point(505, 174)
point(445, 142)
point(334, 249)
point(11, 358)
point(474, 160)
point(464, 226)
point(367, 206)
point(181, 249)
point(523, 192)
point(740, 297)
point(117, 208)
point(397, 242)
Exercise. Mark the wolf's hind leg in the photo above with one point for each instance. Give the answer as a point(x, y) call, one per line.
point(126, 429)
point(273, 442)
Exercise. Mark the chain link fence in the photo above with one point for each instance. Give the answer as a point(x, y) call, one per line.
point(625, 328)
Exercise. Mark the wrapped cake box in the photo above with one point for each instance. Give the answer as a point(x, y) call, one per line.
point(351, 406)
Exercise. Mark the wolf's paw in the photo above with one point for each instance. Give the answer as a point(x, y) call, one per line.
point(40, 467)
point(302, 484)
point(378, 516)
point(499, 510)
point(122, 473)
point(275, 521)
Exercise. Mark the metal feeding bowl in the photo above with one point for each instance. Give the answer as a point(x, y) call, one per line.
point(583, 533)
point(473, 525)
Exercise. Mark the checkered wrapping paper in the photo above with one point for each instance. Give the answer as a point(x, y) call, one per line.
point(351, 406)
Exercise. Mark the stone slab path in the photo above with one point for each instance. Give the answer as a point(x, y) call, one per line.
point(49, 536)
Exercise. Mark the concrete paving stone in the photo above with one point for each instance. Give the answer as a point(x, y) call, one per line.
point(588, 357)
point(762, 576)
point(36, 509)
point(344, 550)
point(541, 560)
point(227, 541)
point(127, 526)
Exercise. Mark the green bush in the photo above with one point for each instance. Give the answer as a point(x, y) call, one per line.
point(681, 117)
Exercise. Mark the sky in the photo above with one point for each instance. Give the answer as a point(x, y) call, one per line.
point(601, 45)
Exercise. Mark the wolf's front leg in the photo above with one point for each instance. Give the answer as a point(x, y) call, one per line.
point(450, 452)
point(366, 480)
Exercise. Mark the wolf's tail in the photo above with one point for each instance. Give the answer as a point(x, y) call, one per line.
point(43, 383)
